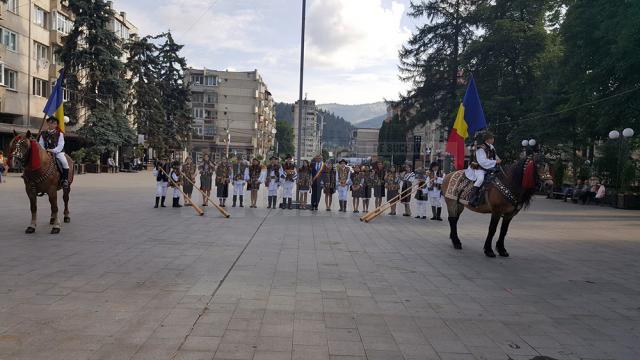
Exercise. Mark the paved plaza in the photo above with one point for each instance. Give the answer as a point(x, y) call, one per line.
point(126, 281)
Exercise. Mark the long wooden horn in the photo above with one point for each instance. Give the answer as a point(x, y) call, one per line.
point(222, 211)
point(195, 207)
point(382, 208)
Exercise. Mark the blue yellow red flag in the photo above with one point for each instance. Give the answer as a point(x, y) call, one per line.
point(55, 104)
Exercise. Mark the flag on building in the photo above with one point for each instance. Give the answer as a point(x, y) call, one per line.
point(55, 104)
point(470, 119)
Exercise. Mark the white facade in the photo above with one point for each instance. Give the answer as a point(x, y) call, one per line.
point(311, 133)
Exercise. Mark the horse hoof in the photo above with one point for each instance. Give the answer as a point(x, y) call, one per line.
point(67, 219)
point(30, 230)
point(489, 253)
point(457, 245)
point(55, 231)
point(503, 253)
point(52, 221)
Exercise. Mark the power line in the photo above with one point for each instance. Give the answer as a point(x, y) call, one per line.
point(193, 24)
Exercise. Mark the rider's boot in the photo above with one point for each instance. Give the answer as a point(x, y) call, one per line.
point(474, 199)
point(65, 178)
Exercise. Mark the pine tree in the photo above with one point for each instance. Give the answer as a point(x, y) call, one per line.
point(94, 74)
point(431, 60)
point(175, 92)
point(145, 103)
point(284, 138)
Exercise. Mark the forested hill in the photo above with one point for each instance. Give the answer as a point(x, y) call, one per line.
point(337, 131)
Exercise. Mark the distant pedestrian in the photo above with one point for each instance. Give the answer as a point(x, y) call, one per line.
point(4, 168)
point(161, 172)
point(304, 184)
point(343, 181)
point(189, 175)
point(329, 182)
point(206, 169)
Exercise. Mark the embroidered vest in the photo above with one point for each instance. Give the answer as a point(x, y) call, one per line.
point(273, 174)
point(289, 171)
point(254, 173)
point(343, 175)
point(50, 139)
point(329, 179)
point(491, 152)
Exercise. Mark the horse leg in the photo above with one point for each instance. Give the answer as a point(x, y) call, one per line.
point(493, 226)
point(506, 220)
point(53, 200)
point(455, 210)
point(33, 201)
point(65, 197)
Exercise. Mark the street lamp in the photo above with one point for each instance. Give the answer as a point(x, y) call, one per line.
point(615, 135)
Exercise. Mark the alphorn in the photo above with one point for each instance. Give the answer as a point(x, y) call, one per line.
point(379, 210)
point(195, 207)
point(222, 211)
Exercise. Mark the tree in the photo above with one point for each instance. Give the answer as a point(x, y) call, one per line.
point(94, 74)
point(145, 103)
point(504, 61)
point(175, 92)
point(392, 145)
point(284, 138)
point(431, 60)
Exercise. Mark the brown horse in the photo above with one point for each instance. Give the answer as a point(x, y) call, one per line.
point(41, 176)
point(509, 192)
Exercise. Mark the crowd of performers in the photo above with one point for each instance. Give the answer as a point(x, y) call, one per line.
point(358, 183)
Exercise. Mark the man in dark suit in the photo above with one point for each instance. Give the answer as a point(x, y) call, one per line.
point(317, 168)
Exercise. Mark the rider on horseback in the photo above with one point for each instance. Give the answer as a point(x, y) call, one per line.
point(486, 160)
point(52, 140)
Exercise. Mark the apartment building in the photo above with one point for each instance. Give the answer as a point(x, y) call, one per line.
point(311, 134)
point(364, 142)
point(31, 31)
point(233, 113)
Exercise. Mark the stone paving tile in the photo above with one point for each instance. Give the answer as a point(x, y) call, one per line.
point(311, 286)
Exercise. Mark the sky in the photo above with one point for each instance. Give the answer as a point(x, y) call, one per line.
point(351, 45)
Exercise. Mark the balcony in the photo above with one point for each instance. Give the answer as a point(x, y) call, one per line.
point(54, 71)
point(3, 10)
point(56, 38)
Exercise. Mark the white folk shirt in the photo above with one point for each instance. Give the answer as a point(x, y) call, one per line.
point(435, 192)
point(481, 158)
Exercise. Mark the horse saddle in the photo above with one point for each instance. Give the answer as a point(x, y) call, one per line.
point(461, 187)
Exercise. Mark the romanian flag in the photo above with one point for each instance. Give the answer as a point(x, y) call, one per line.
point(469, 120)
point(55, 104)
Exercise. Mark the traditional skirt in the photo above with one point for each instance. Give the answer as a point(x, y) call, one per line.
point(253, 186)
point(357, 193)
point(205, 182)
point(378, 191)
point(329, 190)
point(366, 192)
point(187, 187)
point(391, 194)
point(222, 190)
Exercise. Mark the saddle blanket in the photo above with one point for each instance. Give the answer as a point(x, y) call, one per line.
point(459, 188)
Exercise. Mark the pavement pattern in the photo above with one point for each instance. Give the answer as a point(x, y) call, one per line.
point(126, 281)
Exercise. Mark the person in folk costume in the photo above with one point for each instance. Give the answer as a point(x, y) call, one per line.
point(290, 177)
point(52, 140)
point(206, 169)
point(176, 176)
point(436, 178)
point(162, 181)
point(392, 182)
point(223, 179)
point(357, 183)
point(343, 181)
point(367, 185)
point(255, 178)
point(379, 173)
point(408, 177)
point(240, 173)
point(304, 183)
point(421, 195)
point(329, 181)
point(486, 160)
point(317, 168)
point(188, 172)
point(273, 180)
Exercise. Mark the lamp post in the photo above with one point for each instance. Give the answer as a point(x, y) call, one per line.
point(527, 146)
point(615, 135)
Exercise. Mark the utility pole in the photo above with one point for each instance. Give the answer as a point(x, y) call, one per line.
point(300, 105)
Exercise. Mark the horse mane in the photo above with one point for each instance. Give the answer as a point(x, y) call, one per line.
point(512, 177)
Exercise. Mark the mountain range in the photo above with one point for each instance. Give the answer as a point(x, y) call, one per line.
point(362, 116)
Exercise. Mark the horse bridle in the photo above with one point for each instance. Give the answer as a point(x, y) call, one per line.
point(18, 152)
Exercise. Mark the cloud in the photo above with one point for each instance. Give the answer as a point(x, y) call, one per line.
point(355, 33)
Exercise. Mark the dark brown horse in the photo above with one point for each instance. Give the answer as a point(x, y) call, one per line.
point(41, 176)
point(510, 192)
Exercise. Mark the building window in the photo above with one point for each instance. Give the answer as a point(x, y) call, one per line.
point(210, 80)
point(197, 130)
point(197, 79)
point(197, 97)
point(208, 114)
point(9, 39)
point(209, 131)
point(198, 113)
point(10, 78)
point(12, 5)
point(63, 24)
point(57, 59)
point(40, 17)
point(211, 98)
point(40, 87)
point(41, 51)
point(120, 29)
